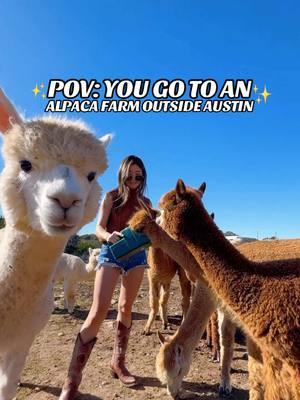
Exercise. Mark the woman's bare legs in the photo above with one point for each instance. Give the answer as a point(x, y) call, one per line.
point(130, 285)
point(105, 283)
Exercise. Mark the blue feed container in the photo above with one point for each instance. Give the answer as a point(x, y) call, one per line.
point(131, 243)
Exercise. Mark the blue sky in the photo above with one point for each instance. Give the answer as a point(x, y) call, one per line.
point(249, 161)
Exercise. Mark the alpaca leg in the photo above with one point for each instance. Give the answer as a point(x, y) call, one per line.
point(209, 333)
point(163, 303)
point(11, 366)
point(256, 371)
point(153, 302)
point(227, 332)
point(279, 379)
point(295, 381)
point(186, 291)
point(69, 293)
point(215, 337)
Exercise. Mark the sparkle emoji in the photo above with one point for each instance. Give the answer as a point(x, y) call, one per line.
point(265, 94)
point(36, 90)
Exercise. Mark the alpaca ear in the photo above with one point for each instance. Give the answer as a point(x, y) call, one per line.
point(180, 190)
point(212, 216)
point(146, 208)
point(161, 337)
point(105, 140)
point(202, 188)
point(8, 114)
point(90, 251)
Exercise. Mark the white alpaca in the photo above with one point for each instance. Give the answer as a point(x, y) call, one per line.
point(71, 270)
point(48, 190)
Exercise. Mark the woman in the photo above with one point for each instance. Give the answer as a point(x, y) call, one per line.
point(115, 211)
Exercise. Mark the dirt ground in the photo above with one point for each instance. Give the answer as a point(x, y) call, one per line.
point(48, 360)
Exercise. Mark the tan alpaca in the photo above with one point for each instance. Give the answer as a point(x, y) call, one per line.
point(264, 297)
point(174, 357)
point(162, 270)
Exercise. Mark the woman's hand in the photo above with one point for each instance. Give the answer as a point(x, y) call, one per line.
point(114, 237)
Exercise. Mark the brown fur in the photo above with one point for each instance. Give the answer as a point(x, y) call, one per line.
point(174, 358)
point(175, 355)
point(162, 270)
point(256, 251)
point(265, 296)
point(213, 337)
point(145, 221)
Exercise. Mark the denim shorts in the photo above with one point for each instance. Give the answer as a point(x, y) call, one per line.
point(106, 259)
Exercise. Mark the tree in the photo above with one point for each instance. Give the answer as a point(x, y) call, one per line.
point(72, 244)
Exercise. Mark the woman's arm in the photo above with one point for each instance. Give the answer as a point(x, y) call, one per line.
point(104, 212)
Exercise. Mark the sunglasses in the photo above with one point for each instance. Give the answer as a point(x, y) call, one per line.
point(137, 178)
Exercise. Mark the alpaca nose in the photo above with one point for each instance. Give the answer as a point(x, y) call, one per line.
point(65, 201)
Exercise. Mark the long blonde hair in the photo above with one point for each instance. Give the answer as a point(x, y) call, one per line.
point(123, 190)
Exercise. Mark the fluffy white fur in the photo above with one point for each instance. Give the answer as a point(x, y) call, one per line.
point(71, 270)
point(42, 207)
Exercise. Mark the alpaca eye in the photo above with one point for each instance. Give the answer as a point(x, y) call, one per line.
point(91, 176)
point(25, 165)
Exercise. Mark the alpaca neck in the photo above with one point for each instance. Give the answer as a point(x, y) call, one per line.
point(90, 267)
point(229, 273)
point(33, 256)
point(176, 250)
point(192, 328)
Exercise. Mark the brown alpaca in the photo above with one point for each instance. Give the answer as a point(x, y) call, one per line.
point(224, 334)
point(162, 270)
point(174, 357)
point(264, 297)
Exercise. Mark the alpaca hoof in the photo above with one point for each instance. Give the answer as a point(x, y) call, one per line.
point(216, 357)
point(225, 391)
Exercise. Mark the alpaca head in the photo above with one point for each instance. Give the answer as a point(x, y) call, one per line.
point(171, 365)
point(49, 181)
point(144, 221)
point(175, 204)
point(93, 259)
